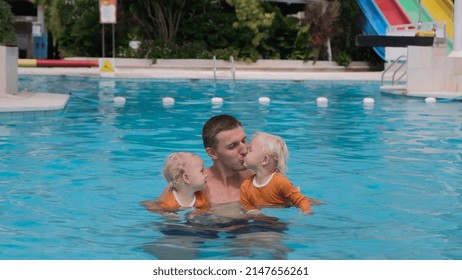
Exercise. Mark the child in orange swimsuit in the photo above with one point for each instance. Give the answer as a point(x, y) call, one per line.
point(269, 187)
point(184, 173)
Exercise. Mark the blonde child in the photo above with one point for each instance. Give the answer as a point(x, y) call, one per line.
point(184, 173)
point(267, 157)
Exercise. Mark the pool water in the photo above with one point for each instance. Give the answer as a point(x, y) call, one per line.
point(389, 175)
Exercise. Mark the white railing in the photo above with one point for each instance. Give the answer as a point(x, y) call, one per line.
point(233, 68)
point(214, 68)
point(403, 60)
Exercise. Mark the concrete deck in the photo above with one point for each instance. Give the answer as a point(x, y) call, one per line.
point(28, 101)
point(189, 69)
point(204, 69)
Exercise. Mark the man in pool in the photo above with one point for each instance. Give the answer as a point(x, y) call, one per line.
point(225, 142)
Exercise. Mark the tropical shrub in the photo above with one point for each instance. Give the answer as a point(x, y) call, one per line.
point(7, 30)
point(75, 25)
point(343, 59)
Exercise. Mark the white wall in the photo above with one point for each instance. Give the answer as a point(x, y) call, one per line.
point(8, 70)
point(430, 70)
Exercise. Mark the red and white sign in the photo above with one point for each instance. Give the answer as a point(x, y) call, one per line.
point(107, 11)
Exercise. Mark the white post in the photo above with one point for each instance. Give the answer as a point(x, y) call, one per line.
point(9, 70)
point(457, 46)
point(329, 50)
point(420, 14)
point(41, 16)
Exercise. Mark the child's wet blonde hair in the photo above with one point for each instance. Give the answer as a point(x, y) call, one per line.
point(175, 166)
point(276, 148)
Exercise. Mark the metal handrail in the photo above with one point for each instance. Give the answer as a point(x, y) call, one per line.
point(396, 71)
point(214, 68)
point(389, 67)
point(233, 69)
point(400, 77)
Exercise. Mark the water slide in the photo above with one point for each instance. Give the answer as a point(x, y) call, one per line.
point(379, 14)
point(393, 12)
point(411, 8)
point(374, 22)
point(441, 10)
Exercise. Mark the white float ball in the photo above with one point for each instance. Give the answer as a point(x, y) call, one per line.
point(264, 100)
point(430, 100)
point(119, 100)
point(168, 101)
point(322, 101)
point(217, 101)
point(368, 101)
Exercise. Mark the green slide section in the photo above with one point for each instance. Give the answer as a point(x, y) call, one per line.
point(411, 8)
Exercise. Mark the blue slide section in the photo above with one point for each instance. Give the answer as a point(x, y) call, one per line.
point(374, 22)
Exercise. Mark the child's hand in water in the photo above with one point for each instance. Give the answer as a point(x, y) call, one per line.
point(307, 212)
point(253, 212)
point(170, 215)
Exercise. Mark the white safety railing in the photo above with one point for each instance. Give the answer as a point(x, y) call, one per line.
point(233, 68)
point(403, 60)
point(214, 68)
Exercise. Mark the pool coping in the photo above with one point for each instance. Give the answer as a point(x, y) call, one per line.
point(29, 101)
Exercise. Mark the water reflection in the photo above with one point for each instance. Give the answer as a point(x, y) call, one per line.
point(261, 238)
point(199, 234)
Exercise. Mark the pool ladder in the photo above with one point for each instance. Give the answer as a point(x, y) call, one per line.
point(233, 68)
point(231, 64)
point(395, 80)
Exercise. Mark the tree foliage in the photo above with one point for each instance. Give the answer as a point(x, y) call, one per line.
point(160, 19)
point(246, 29)
point(7, 31)
point(75, 25)
point(321, 17)
point(344, 42)
point(251, 15)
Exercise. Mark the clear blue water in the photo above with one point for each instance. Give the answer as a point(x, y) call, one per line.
point(390, 176)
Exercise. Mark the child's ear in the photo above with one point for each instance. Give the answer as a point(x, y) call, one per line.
point(185, 178)
point(265, 160)
point(211, 152)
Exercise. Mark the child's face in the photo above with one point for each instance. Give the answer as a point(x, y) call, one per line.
point(254, 157)
point(197, 177)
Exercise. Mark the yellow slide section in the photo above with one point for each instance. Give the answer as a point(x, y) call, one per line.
point(441, 10)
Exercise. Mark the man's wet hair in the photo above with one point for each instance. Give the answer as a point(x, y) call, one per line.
point(216, 125)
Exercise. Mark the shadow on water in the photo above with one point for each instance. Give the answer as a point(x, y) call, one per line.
point(210, 236)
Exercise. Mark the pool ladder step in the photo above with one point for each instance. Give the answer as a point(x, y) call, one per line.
point(397, 82)
point(399, 69)
point(231, 66)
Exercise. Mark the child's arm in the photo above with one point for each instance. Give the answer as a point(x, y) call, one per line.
point(246, 204)
point(164, 193)
point(154, 205)
point(151, 205)
point(301, 201)
point(201, 201)
point(294, 195)
point(248, 207)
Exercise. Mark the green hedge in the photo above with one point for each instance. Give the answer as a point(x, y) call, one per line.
point(7, 30)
